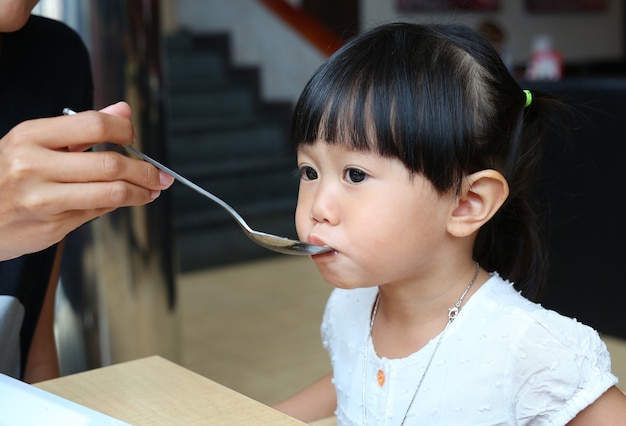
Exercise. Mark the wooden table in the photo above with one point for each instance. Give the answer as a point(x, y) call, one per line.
point(155, 391)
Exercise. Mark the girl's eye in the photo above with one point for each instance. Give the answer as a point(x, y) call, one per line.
point(355, 175)
point(308, 173)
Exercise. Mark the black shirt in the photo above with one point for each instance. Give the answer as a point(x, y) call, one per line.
point(44, 67)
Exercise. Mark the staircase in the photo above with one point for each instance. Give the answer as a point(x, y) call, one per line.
point(226, 139)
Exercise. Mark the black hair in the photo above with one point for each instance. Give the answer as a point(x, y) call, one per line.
point(439, 99)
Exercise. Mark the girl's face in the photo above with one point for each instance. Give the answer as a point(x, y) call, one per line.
point(385, 225)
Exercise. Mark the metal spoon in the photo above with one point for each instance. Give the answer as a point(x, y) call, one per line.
point(269, 241)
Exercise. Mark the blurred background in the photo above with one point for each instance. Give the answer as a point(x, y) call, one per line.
point(212, 85)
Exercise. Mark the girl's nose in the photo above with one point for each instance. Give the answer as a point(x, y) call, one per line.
point(324, 205)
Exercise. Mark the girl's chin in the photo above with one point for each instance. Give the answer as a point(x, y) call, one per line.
point(343, 281)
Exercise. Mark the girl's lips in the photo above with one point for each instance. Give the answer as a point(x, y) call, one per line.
point(316, 241)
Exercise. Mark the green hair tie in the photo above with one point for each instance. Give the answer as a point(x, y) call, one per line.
point(529, 98)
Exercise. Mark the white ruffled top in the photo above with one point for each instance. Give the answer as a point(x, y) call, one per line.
point(503, 361)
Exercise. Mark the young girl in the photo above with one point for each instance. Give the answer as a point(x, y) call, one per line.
point(417, 150)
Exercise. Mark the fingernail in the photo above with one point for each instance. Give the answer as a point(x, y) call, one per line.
point(165, 180)
point(154, 195)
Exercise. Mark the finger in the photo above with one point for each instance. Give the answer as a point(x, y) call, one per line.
point(108, 195)
point(120, 108)
point(81, 129)
point(105, 166)
point(93, 196)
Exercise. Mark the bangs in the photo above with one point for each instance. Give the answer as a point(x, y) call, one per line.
point(353, 104)
point(396, 93)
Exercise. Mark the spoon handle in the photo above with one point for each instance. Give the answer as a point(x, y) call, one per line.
point(188, 183)
point(183, 180)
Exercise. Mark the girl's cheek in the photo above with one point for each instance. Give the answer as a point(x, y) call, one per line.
point(300, 219)
point(301, 229)
point(304, 213)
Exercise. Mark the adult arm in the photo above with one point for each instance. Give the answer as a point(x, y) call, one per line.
point(314, 402)
point(49, 186)
point(609, 410)
point(43, 362)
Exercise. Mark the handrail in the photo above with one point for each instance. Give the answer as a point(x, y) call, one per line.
point(324, 39)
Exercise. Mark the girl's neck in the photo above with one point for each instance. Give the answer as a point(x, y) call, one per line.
point(409, 316)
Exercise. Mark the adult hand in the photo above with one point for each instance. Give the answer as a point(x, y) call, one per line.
point(49, 186)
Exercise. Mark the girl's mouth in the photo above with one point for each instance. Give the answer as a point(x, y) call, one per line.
point(332, 252)
point(319, 242)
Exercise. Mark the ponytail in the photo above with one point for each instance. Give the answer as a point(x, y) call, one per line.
point(513, 242)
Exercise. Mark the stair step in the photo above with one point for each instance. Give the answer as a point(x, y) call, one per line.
point(205, 248)
point(197, 80)
point(238, 191)
point(185, 41)
point(254, 213)
point(195, 67)
point(205, 123)
point(222, 101)
point(207, 171)
point(219, 146)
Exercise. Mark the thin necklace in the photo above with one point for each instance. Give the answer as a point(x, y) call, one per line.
point(453, 312)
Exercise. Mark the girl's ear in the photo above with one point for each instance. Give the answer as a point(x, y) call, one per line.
point(482, 195)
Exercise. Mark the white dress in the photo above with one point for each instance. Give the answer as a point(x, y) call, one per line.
point(503, 361)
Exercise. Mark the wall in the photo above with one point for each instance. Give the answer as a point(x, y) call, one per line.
point(287, 61)
point(580, 37)
point(257, 38)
